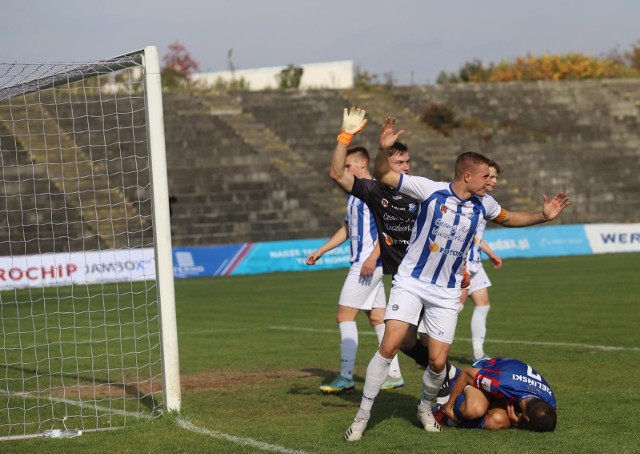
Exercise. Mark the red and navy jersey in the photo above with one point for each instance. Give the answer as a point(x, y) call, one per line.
point(394, 214)
point(511, 380)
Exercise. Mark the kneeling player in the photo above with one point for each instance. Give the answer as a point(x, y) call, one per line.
point(500, 393)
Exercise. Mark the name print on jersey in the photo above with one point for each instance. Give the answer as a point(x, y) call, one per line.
point(455, 232)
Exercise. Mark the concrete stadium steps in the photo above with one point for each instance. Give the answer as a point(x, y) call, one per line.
point(575, 111)
point(546, 136)
point(112, 134)
point(224, 165)
point(627, 109)
point(432, 154)
point(293, 167)
point(237, 216)
point(73, 141)
point(104, 209)
point(253, 166)
point(36, 217)
point(310, 121)
point(532, 151)
point(584, 171)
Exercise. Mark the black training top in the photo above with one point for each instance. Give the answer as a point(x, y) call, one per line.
point(394, 213)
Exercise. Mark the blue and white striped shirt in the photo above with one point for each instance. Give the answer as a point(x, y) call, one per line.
point(475, 253)
point(443, 232)
point(363, 233)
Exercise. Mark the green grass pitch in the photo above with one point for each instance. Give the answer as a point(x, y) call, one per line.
point(255, 349)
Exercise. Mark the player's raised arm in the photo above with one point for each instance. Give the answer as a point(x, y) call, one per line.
point(353, 122)
point(550, 210)
point(382, 171)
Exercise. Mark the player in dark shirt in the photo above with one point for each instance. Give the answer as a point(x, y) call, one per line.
point(394, 214)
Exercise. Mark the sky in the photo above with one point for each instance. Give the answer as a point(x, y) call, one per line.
point(411, 39)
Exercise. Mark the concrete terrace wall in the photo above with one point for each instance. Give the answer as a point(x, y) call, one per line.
point(582, 137)
point(253, 166)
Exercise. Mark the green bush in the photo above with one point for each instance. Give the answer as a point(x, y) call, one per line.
point(290, 77)
point(440, 117)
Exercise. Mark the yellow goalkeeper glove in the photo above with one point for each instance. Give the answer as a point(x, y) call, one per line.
point(353, 122)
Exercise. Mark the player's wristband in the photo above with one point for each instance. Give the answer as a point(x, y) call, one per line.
point(345, 138)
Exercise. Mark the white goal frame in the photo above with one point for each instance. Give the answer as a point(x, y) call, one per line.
point(141, 71)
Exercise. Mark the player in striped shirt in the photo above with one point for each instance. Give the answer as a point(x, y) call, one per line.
point(363, 289)
point(431, 271)
point(478, 290)
point(394, 214)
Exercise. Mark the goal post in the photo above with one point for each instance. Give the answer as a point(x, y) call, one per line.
point(164, 256)
point(87, 303)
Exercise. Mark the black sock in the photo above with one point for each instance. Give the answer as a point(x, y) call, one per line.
point(419, 353)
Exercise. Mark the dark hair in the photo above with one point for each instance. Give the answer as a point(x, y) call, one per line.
point(542, 416)
point(495, 166)
point(359, 150)
point(469, 159)
point(398, 148)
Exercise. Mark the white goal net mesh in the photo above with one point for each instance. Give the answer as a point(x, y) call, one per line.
point(80, 342)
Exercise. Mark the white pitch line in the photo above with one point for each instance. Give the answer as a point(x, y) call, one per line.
point(500, 341)
point(238, 440)
point(75, 403)
point(79, 403)
point(181, 422)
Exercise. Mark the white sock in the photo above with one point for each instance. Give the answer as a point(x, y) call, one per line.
point(348, 348)
point(394, 369)
point(431, 383)
point(377, 372)
point(452, 371)
point(479, 329)
point(379, 329)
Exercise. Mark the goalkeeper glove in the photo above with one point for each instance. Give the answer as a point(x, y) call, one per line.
point(353, 122)
point(466, 278)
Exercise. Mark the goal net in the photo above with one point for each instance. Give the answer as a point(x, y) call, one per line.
point(86, 280)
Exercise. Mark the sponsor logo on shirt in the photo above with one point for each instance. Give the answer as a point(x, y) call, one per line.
point(486, 384)
point(435, 247)
point(391, 241)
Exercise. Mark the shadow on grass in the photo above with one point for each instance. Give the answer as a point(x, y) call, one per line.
point(91, 384)
point(395, 403)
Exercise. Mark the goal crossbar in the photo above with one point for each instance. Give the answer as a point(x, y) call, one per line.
point(45, 81)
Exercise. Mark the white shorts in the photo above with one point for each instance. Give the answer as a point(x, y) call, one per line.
point(409, 295)
point(479, 278)
point(363, 294)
